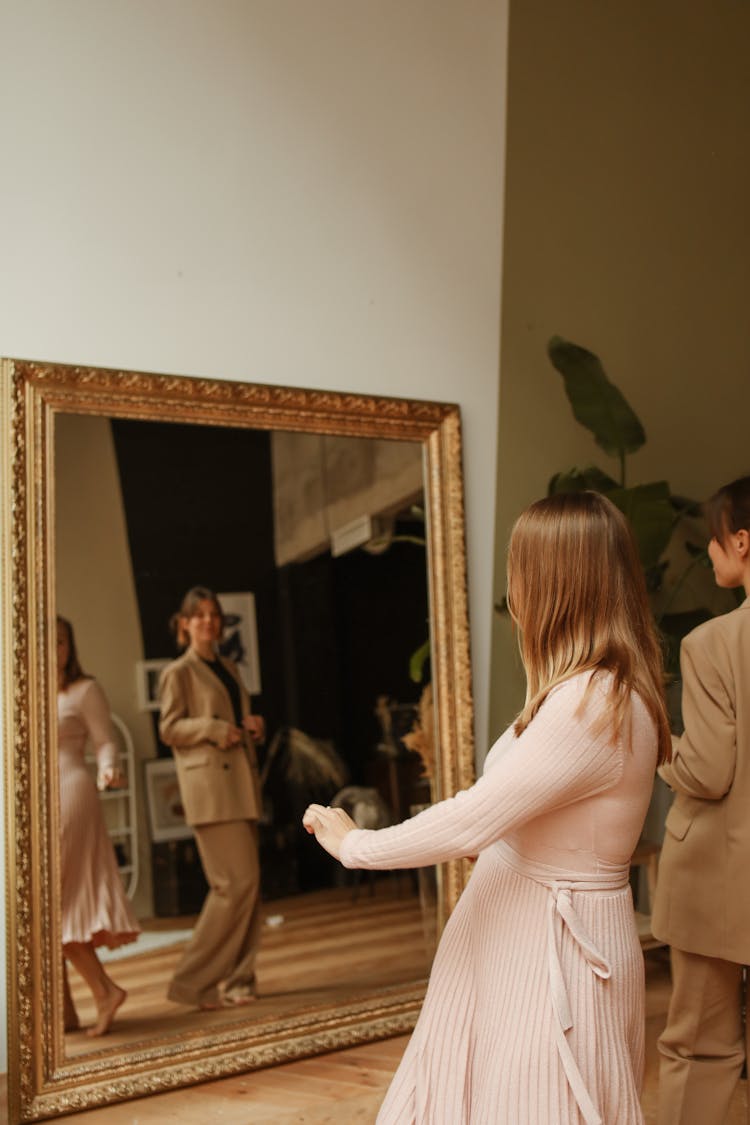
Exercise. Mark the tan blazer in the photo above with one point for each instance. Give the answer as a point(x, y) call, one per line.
point(216, 785)
point(703, 890)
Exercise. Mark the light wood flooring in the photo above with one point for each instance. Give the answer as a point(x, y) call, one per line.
point(329, 947)
point(345, 1087)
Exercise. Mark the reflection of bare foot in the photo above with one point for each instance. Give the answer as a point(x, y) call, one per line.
point(237, 995)
point(237, 999)
point(106, 1008)
point(229, 1000)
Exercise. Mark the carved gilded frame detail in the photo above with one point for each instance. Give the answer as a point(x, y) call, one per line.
point(42, 1083)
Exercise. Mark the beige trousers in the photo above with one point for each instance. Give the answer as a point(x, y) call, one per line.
point(703, 1046)
point(224, 944)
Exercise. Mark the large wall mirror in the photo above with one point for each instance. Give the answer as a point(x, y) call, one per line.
point(333, 527)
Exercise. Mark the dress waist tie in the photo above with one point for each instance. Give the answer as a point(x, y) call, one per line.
point(561, 913)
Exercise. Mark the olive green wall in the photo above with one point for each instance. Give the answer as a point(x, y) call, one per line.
point(626, 231)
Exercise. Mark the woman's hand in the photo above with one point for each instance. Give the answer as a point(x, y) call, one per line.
point(232, 736)
point(111, 777)
point(255, 725)
point(329, 826)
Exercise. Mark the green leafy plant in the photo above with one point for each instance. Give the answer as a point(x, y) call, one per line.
point(653, 510)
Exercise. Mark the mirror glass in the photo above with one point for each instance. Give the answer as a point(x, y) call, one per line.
point(331, 527)
point(316, 545)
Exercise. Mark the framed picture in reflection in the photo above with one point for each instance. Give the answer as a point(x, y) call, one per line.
point(147, 682)
point(240, 640)
point(165, 811)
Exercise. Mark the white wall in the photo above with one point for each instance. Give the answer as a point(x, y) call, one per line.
point(626, 230)
point(95, 591)
point(279, 191)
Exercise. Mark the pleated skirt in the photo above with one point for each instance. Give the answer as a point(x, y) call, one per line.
point(95, 907)
point(484, 1051)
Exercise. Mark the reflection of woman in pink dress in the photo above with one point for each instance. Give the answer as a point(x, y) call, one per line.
point(95, 910)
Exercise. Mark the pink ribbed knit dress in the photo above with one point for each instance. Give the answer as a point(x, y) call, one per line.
point(534, 1013)
point(94, 905)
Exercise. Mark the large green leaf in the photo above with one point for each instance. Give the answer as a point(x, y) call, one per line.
point(577, 480)
point(651, 516)
point(687, 507)
point(417, 662)
point(698, 552)
point(597, 403)
point(654, 576)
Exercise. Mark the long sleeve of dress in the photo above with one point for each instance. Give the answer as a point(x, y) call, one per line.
point(704, 758)
point(96, 715)
point(561, 757)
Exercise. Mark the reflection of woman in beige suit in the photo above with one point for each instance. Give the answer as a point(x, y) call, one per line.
point(205, 718)
point(702, 906)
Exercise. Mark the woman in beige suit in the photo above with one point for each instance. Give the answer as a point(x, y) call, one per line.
point(205, 718)
point(702, 906)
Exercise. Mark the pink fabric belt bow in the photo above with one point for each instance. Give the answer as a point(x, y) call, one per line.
point(562, 913)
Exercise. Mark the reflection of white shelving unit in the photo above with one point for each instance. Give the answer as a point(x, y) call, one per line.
point(120, 810)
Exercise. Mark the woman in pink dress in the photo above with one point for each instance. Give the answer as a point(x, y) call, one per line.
point(95, 910)
point(534, 1011)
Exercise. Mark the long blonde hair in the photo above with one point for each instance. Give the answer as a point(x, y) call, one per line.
point(578, 596)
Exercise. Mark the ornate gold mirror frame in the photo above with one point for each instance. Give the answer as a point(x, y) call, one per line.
point(42, 1082)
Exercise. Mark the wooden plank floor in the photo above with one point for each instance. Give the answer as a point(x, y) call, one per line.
point(345, 1087)
point(328, 947)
